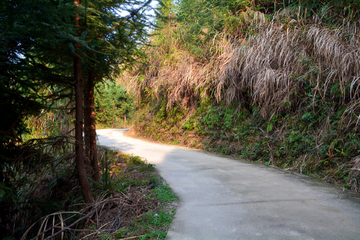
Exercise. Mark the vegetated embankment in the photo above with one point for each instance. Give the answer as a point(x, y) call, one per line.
point(286, 95)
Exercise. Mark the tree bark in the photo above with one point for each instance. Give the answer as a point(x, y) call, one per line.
point(90, 127)
point(79, 149)
point(79, 117)
point(87, 128)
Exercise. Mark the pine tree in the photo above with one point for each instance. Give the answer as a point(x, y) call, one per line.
point(32, 59)
point(44, 44)
point(115, 41)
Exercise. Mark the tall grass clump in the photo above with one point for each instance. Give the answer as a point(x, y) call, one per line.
point(278, 62)
point(176, 75)
point(272, 65)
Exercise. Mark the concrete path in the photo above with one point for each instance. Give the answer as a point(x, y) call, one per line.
point(221, 198)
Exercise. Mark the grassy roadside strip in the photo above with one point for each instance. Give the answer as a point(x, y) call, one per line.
point(131, 202)
point(151, 202)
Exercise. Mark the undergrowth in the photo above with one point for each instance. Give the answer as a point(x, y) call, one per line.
point(131, 201)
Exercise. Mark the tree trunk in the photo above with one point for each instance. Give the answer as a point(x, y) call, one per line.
point(90, 132)
point(79, 150)
point(87, 128)
point(79, 117)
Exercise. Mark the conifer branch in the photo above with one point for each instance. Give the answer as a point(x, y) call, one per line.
point(124, 20)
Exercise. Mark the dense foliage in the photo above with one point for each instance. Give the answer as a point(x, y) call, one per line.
point(26, 64)
point(113, 105)
point(271, 82)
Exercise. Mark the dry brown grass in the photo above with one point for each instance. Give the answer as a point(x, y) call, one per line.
point(354, 173)
point(105, 216)
point(271, 65)
point(276, 60)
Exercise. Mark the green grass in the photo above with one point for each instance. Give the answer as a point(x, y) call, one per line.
point(136, 176)
point(165, 194)
point(151, 225)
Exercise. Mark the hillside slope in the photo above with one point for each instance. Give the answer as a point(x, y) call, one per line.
point(280, 87)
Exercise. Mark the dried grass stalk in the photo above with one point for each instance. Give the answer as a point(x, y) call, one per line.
point(271, 65)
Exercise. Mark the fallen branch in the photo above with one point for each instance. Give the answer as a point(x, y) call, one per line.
point(64, 229)
point(131, 237)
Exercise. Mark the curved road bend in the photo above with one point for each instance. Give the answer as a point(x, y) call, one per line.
point(221, 198)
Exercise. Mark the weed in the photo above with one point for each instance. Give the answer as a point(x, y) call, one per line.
point(164, 194)
point(136, 160)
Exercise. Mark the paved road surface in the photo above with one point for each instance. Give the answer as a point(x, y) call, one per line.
point(221, 198)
